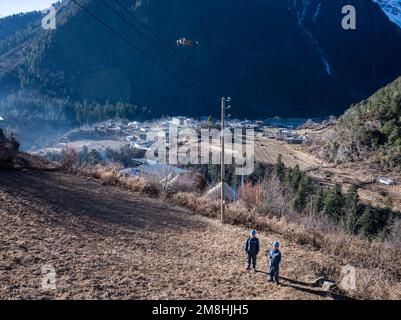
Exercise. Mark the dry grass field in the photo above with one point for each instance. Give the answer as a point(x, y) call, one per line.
point(109, 243)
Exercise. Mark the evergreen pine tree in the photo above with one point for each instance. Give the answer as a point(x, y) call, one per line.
point(211, 122)
point(367, 222)
point(84, 155)
point(351, 209)
point(334, 203)
point(279, 167)
point(214, 173)
point(288, 177)
point(94, 157)
point(299, 202)
point(319, 202)
point(296, 178)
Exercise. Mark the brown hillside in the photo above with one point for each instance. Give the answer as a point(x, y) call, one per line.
point(108, 243)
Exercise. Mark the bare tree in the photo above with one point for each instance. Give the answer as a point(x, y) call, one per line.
point(275, 197)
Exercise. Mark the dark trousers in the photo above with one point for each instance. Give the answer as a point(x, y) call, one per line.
point(250, 258)
point(274, 274)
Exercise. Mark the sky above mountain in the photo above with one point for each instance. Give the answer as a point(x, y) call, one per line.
point(9, 7)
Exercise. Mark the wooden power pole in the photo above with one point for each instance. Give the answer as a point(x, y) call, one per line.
point(222, 172)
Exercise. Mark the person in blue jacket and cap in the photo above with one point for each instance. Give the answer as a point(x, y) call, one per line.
point(274, 257)
point(252, 250)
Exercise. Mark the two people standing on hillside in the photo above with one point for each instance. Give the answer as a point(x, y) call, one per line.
point(252, 250)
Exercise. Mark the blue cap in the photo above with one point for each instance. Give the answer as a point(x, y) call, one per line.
point(253, 232)
point(276, 244)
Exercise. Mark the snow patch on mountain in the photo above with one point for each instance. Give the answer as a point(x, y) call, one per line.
point(392, 8)
point(316, 14)
point(302, 13)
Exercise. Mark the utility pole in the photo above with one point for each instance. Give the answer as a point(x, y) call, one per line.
point(222, 172)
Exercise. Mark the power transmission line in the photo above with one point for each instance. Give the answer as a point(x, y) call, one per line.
point(62, 52)
point(141, 33)
point(99, 20)
point(141, 23)
point(125, 39)
point(154, 34)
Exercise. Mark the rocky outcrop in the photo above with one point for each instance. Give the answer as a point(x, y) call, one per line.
point(8, 149)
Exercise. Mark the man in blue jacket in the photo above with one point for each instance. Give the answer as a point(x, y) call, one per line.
point(274, 263)
point(252, 250)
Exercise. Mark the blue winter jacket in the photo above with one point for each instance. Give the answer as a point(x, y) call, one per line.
point(275, 258)
point(252, 246)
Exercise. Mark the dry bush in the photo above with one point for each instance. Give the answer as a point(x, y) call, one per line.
point(111, 175)
point(151, 189)
point(238, 214)
point(99, 170)
point(202, 205)
point(140, 184)
point(69, 160)
point(235, 213)
point(108, 178)
point(135, 184)
point(151, 185)
point(251, 195)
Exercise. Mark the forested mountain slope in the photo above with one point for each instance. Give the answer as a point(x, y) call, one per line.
point(287, 58)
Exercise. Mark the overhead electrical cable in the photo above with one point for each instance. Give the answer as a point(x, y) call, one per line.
point(130, 43)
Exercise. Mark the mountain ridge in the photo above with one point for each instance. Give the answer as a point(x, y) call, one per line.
point(288, 58)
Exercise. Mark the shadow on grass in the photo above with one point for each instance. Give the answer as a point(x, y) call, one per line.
point(321, 293)
point(309, 288)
